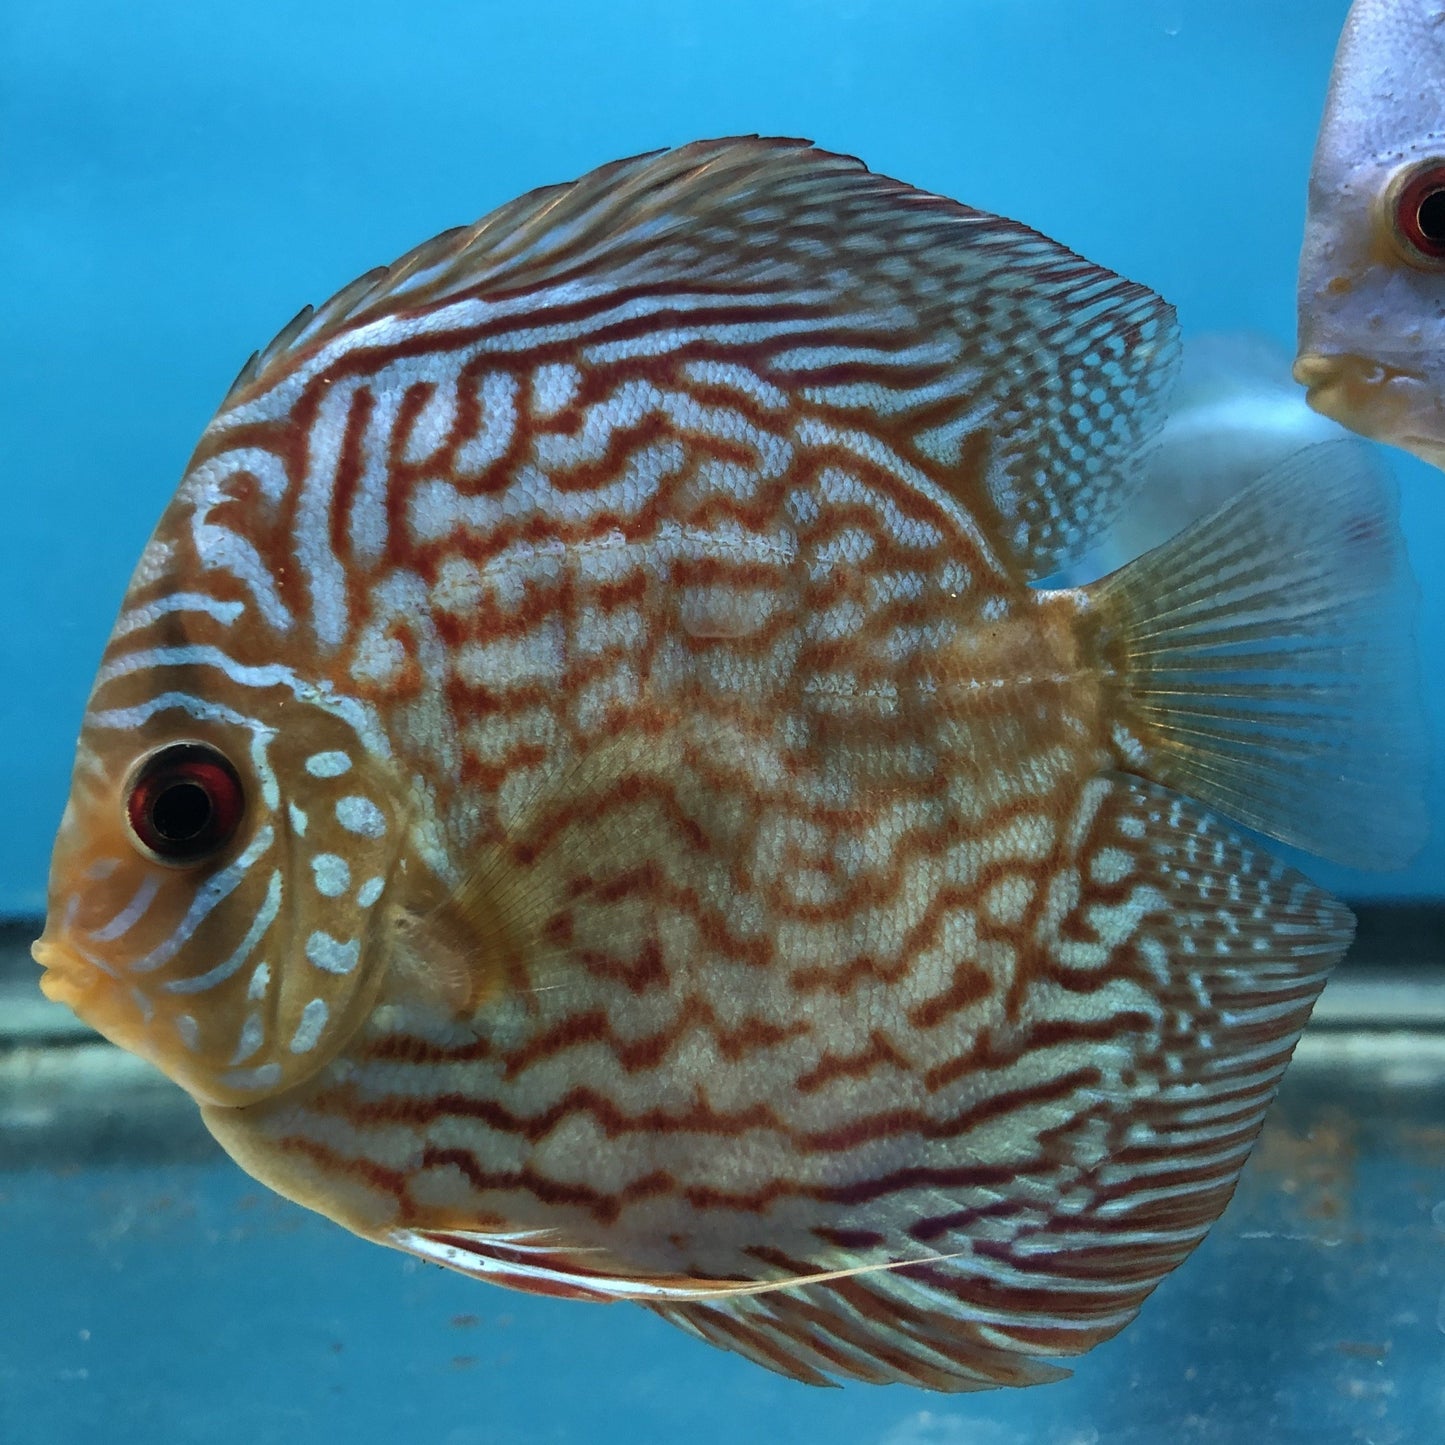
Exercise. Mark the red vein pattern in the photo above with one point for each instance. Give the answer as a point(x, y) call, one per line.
point(683, 853)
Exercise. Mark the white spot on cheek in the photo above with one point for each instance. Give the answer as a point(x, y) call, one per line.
point(190, 1034)
point(260, 982)
point(252, 1034)
point(298, 820)
point(263, 1076)
point(313, 1020)
point(369, 892)
point(360, 815)
point(330, 955)
point(332, 874)
point(328, 765)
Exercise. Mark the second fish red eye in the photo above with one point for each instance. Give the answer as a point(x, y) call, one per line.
point(1419, 212)
point(185, 802)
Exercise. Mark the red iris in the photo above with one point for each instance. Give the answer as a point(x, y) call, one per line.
point(185, 802)
point(1420, 211)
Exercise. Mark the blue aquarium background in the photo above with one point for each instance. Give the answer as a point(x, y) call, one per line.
point(177, 178)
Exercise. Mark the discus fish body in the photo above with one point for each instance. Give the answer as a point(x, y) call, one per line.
point(583, 789)
point(1372, 267)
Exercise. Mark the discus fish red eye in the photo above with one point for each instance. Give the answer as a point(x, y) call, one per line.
point(185, 802)
point(1417, 213)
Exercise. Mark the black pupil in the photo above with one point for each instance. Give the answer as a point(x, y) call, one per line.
point(1431, 217)
point(181, 811)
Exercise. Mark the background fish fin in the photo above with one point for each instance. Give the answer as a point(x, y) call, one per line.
point(990, 359)
point(1200, 958)
point(1265, 661)
point(1235, 412)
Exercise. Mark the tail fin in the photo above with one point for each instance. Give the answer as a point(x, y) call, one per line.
point(1264, 661)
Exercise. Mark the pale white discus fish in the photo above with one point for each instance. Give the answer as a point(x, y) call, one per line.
point(1372, 271)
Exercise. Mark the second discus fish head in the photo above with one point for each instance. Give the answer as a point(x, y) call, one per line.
point(1372, 269)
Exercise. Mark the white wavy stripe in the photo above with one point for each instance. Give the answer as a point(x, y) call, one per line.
point(367, 526)
point(128, 916)
point(707, 371)
point(311, 535)
point(472, 313)
point(936, 350)
point(128, 719)
point(218, 546)
point(265, 917)
point(883, 400)
point(137, 617)
point(662, 340)
point(360, 717)
point(209, 896)
point(268, 469)
point(813, 432)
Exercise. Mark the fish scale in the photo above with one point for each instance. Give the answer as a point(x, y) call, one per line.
point(683, 857)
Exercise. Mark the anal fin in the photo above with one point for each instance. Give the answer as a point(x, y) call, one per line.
point(541, 1261)
point(1218, 953)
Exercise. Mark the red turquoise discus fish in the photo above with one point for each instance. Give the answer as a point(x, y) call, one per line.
point(582, 788)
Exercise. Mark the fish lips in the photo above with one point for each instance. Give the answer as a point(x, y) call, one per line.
point(1386, 402)
point(101, 997)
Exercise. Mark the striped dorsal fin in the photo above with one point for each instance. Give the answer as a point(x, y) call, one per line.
point(1013, 372)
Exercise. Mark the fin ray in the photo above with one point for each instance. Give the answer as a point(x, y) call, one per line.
point(542, 1262)
point(491, 931)
point(1266, 663)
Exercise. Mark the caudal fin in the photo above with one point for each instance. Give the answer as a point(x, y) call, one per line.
point(1264, 661)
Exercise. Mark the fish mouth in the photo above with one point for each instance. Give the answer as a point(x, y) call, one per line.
point(90, 990)
point(101, 998)
point(64, 977)
point(1386, 402)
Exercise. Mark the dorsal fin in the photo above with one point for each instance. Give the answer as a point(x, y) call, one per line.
point(1018, 375)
